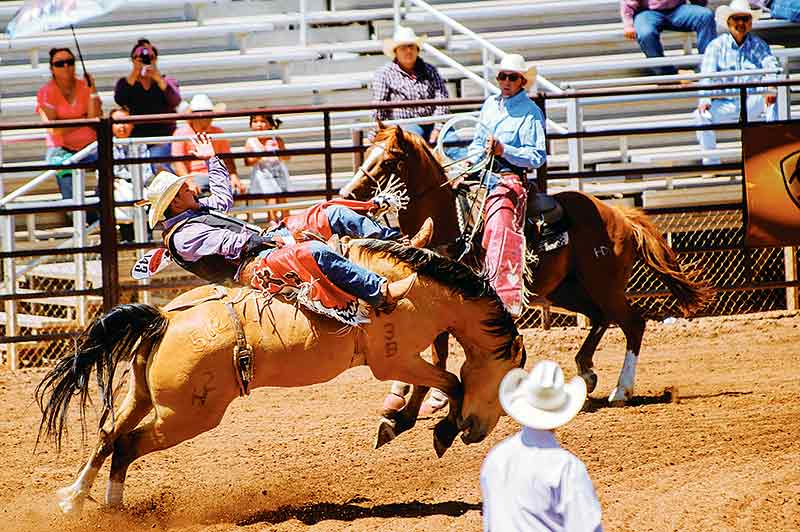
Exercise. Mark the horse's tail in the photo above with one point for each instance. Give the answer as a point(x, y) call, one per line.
point(691, 292)
point(107, 341)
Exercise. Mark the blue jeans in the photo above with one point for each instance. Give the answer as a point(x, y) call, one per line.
point(346, 222)
point(425, 130)
point(58, 155)
point(650, 23)
point(160, 150)
point(346, 275)
point(786, 9)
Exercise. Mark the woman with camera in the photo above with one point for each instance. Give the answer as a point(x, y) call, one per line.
point(145, 91)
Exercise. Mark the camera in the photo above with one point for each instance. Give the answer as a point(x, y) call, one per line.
point(145, 56)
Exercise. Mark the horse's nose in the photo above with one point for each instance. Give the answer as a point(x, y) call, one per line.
point(472, 430)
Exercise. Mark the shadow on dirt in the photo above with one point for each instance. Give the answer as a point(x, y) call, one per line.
point(669, 395)
point(314, 513)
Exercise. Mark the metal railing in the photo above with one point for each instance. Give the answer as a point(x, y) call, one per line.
point(113, 287)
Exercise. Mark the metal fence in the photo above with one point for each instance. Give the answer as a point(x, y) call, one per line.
point(49, 303)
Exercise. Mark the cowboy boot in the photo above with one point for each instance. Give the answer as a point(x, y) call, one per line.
point(424, 235)
point(392, 293)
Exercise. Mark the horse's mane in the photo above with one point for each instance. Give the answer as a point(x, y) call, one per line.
point(389, 135)
point(456, 276)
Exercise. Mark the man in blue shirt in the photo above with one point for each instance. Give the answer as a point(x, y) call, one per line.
point(737, 50)
point(511, 129)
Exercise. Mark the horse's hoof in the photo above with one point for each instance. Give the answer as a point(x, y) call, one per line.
point(619, 396)
point(443, 436)
point(590, 377)
point(70, 500)
point(386, 432)
point(392, 404)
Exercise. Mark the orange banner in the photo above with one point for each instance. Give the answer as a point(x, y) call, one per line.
point(772, 185)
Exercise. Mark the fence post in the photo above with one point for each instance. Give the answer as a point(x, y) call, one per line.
point(575, 145)
point(10, 274)
point(303, 23)
point(487, 71)
point(396, 14)
point(357, 136)
point(326, 117)
point(108, 221)
point(790, 266)
point(79, 229)
point(139, 220)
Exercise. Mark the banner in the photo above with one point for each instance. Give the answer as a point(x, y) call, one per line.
point(772, 184)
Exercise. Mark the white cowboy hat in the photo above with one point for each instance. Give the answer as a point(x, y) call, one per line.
point(516, 63)
point(541, 400)
point(160, 194)
point(403, 35)
point(201, 103)
point(737, 7)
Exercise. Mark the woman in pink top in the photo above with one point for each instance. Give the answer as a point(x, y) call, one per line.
point(270, 175)
point(65, 97)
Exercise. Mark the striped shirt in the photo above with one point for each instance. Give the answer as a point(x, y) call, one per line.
point(393, 84)
point(723, 53)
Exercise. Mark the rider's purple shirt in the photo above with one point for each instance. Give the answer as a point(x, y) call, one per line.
point(196, 240)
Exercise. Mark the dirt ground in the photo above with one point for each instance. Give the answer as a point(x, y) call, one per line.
point(726, 457)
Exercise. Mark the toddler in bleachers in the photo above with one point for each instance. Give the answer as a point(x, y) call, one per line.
point(270, 174)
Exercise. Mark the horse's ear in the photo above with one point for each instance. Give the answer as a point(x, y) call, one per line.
point(380, 124)
point(401, 139)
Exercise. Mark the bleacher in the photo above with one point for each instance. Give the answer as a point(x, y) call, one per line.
point(249, 53)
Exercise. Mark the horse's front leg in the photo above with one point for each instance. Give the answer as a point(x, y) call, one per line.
point(423, 375)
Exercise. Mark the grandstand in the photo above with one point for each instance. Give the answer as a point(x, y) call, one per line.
point(249, 53)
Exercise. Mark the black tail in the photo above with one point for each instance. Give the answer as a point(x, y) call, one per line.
point(108, 340)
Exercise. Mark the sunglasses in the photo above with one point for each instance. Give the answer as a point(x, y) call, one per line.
point(502, 76)
point(63, 63)
point(741, 18)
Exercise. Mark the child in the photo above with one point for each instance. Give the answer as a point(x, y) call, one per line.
point(528, 481)
point(270, 175)
point(123, 178)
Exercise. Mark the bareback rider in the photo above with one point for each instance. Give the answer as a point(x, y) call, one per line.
point(511, 128)
point(221, 248)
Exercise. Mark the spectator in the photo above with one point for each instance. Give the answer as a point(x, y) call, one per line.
point(199, 180)
point(528, 481)
point(145, 91)
point(785, 9)
point(270, 175)
point(65, 97)
point(737, 50)
point(644, 20)
point(123, 178)
point(408, 77)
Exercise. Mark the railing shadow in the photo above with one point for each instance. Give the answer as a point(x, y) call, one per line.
point(312, 514)
point(593, 404)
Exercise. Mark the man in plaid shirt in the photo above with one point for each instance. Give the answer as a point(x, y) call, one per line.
point(406, 78)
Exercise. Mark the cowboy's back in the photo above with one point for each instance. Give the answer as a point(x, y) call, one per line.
point(530, 483)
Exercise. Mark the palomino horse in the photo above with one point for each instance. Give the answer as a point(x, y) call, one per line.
point(181, 360)
point(588, 276)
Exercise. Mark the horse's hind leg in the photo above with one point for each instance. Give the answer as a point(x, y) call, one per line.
point(133, 409)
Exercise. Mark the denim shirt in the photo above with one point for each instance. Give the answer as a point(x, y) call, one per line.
point(518, 123)
point(723, 53)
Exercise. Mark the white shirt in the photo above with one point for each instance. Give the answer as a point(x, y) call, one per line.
point(529, 483)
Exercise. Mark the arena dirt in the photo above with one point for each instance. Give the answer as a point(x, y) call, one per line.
point(726, 457)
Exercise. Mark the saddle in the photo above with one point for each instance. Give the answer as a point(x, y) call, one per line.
point(545, 220)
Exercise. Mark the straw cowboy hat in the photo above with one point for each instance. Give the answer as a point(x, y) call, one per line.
point(201, 103)
point(541, 400)
point(737, 7)
point(160, 194)
point(516, 63)
point(403, 35)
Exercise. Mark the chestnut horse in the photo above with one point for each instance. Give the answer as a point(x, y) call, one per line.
point(180, 360)
point(588, 276)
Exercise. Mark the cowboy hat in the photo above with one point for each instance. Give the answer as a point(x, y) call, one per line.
point(541, 400)
point(201, 103)
point(516, 63)
point(160, 194)
point(402, 35)
point(736, 7)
